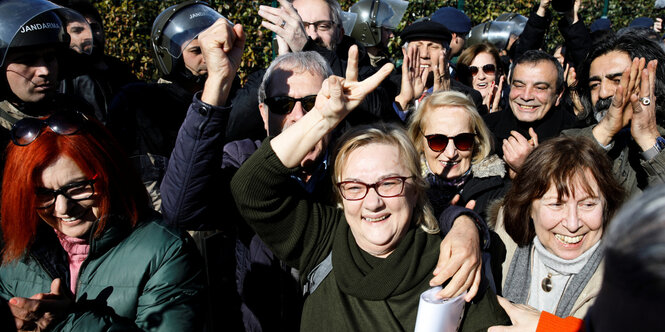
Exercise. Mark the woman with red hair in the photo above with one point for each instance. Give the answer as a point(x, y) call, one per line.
point(82, 248)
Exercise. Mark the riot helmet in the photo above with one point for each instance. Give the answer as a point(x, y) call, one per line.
point(374, 15)
point(518, 21)
point(28, 23)
point(175, 27)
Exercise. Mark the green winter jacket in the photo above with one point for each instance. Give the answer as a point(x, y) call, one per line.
point(148, 278)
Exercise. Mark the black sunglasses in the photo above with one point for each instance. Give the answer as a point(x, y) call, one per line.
point(488, 69)
point(439, 142)
point(26, 131)
point(283, 105)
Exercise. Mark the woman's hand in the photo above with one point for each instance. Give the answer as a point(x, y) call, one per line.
point(39, 311)
point(491, 100)
point(523, 317)
point(459, 259)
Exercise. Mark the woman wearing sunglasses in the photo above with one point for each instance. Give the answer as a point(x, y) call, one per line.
point(456, 152)
point(83, 250)
point(479, 67)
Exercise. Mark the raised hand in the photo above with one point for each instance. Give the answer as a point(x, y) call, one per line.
point(441, 73)
point(222, 46)
point(286, 23)
point(643, 126)
point(621, 110)
point(413, 77)
point(492, 99)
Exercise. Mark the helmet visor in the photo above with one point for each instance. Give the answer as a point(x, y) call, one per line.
point(390, 13)
point(14, 14)
point(186, 25)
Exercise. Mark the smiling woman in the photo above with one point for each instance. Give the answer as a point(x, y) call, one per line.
point(552, 224)
point(75, 217)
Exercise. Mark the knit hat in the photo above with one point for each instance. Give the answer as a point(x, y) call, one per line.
point(426, 29)
point(643, 21)
point(453, 19)
point(600, 24)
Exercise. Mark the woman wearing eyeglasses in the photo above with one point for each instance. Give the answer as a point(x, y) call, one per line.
point(456, 152)
point(380, 245)
point(83, 250)
point(479, 67)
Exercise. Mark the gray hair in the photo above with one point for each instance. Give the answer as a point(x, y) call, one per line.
point(638, 232)
point(298, 62)
point(335, 10)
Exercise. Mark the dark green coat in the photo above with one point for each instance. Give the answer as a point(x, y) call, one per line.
point(363, 292)
point(148, 278)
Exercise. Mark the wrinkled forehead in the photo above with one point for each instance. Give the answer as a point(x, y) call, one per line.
point(313, 10)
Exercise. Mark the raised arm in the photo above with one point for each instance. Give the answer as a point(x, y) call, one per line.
point(337, 97)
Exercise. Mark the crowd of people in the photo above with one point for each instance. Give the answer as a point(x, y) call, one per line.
point(333, 188)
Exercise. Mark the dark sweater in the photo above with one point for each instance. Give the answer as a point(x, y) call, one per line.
point(362, 292)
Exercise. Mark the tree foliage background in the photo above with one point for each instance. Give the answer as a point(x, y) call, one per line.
point(127, 24)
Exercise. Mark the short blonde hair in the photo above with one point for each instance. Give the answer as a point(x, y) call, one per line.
point(394, 135)
point(482, 143)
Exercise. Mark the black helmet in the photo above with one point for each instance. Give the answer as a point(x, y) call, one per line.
point(175, 27)
point(372, 15)
point(30, 23)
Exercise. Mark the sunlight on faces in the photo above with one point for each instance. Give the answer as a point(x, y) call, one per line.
point(483, 81)
point(570, 226)
point(450, 163)
point(284, 82)
point(32, 74)
point(71, 218)
point(605, 74)
point(533, 90)
point(193, 58)
point(314, 11)
point(378, 223)
point(429, 51)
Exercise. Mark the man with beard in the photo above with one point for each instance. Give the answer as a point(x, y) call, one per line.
point(625, 105)
point(96, 77)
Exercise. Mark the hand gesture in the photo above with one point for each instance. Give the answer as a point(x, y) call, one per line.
point(643, 126)
point(459, 259)
point(621, 111)
point(222, 46)
point(542, 8)
point(286, 23)
point(516, 148)
point(493, 97)
point(338, 96)
point(413, 77)
point(441, 73)
point(524, 318)
point(40, 310)
point(658, 25)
